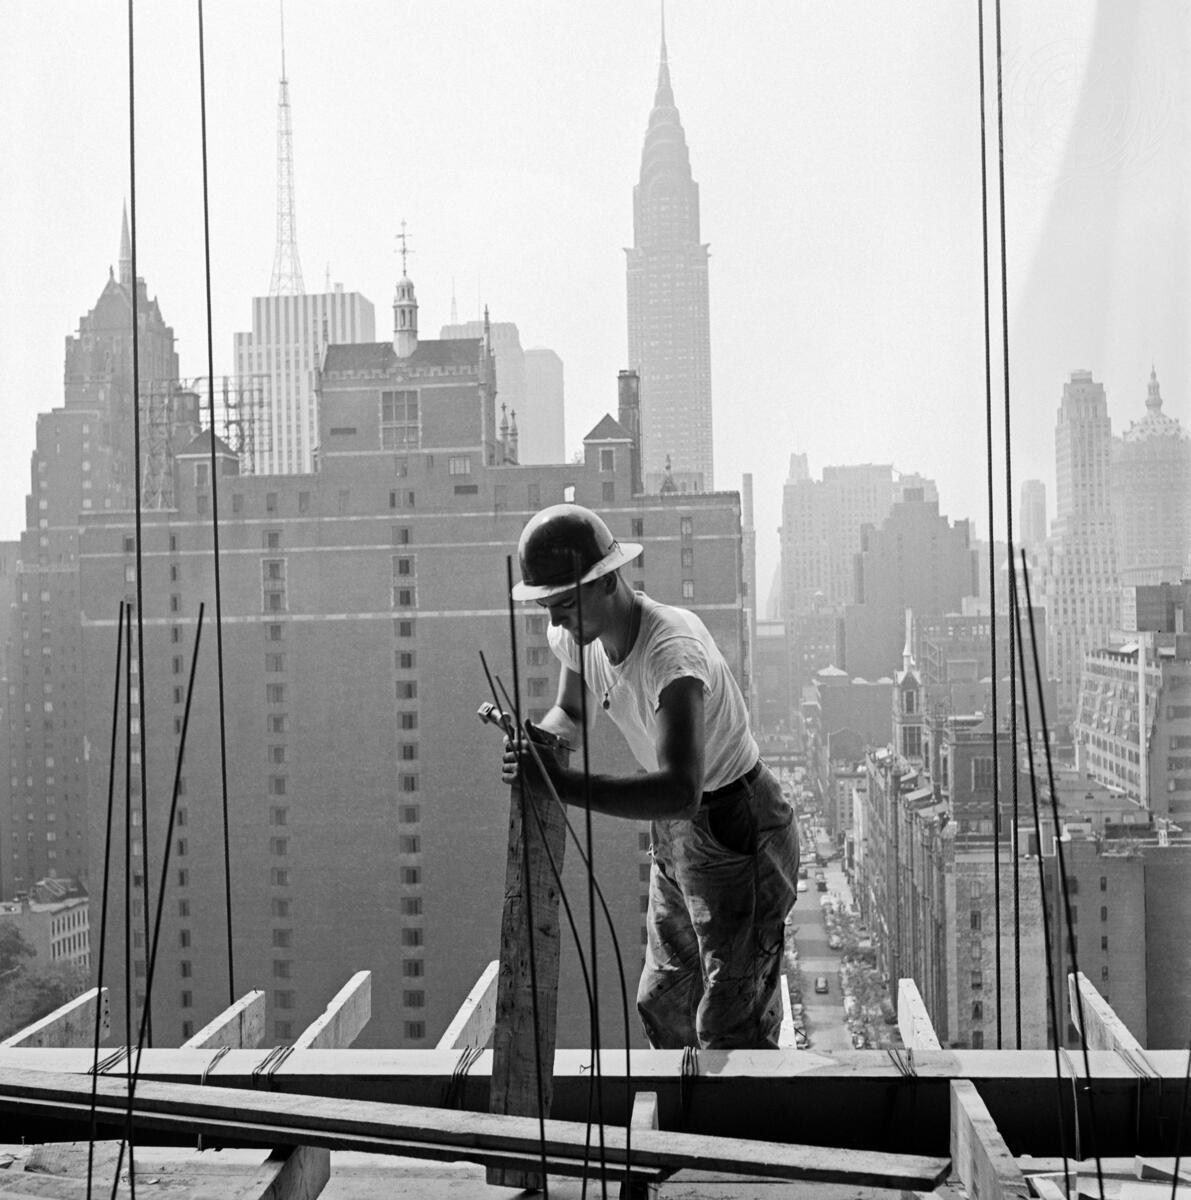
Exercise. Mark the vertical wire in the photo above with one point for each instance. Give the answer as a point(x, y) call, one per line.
point(597, 1072)
point(992, 539)
point(526, 890)
point(103, 911)
point(129, 978)
point(134, 1062)
point(1015, 615)
point(227, 853)
point(1178, 1140)
point(1009, 528)
point(136, 469)
point(1069, 920)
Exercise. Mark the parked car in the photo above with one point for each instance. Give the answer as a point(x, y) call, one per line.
point(835, 941)
point(803, 886)
point(821, 985)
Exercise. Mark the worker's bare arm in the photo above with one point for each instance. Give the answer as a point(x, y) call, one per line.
point(672, 791)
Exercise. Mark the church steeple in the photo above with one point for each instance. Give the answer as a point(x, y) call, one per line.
point(125, 251)
point(405, 307)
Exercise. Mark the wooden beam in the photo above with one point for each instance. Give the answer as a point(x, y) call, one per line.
point(645, 1116)
point(913, 1021)
point(523, 1039)
point(786, 1039)
point(240, 1026)
point(343, 1019)
point(277, 1119)
point(296, 1173)
point(979, 1155)
point(1105, 1030)
point(472, 1025)
point(71, 1025)
point(743, 1093)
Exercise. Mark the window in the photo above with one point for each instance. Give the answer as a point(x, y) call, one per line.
point(185, 969)
point(974, 919)
point(282, 968)
point(403, 598)
point(459, 465)
point(283, 937)
point(607, 459)
point(977, 1010)
point(403, 629)
point(280, 907)
point(977, 1039)
point(271, 502)
point(407, 689)
point(411, 906)
point(412, 968)
point(303, 502)
point(278, 815)
point(415, 1030)
point(277, 754)
point(284, 999)
point(1104, 883)
point(409, 720)
point(688, 589)
point(202, 474)
point(279, 877)
point(1104, 912)
point(403, 565)
point(535, 625)
point(688, 557)
point(398, 419)
point(409, 751)
point(275, 693)
point(274, 662)
point(411, 937)
point(409, 783)
point(183, 938)
point(1072, 886)
point(410, 876)
point(537, 656)
point(279, 845)
point(409, 814)
point(982, 773)
point(1104, 971)
point(638, 527)
point(686, 528)
point(977, 980)
point(278, 722)
point(414, 999)
point(271, 539)
point(187, 1000)
point(608, 491)
point(538, 687)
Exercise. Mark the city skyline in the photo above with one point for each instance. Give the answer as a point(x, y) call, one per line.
point(832, 336)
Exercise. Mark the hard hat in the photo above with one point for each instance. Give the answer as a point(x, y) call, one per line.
point(562, 542)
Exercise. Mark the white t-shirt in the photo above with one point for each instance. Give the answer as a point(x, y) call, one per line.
point(672, 643)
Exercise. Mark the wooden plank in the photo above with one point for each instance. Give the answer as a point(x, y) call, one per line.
point(240, 1026)
point(523, 1039)
point(472, 1025)
point(1105, 1030)
point(913, 1021)
point(278, 1119)
point(71, 1025)
point(343, 1019)
point(979, 1155)
point(297, 1173)
point(786, 1039)
point(645, 1116)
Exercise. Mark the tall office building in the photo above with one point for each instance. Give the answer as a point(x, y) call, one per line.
point(83, 463)
point(284, 349)
point(668, 313)
point(529, 383)
point(1151, 495)
point(543, 430)
point(1082, 599)
point(291, 329)
point(1032, 514)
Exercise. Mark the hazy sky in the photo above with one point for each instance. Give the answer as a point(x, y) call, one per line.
point(836, 146)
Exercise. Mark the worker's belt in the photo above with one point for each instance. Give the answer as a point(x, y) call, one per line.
point(722, 793)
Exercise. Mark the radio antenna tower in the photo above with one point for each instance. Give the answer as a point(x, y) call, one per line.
point(287, 270)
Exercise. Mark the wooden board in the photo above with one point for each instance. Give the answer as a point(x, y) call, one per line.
point(979, 1155)
point(241, 1026)
point(71, 1025)
point(473, 1024)
point(523, 1038)
point(343, 1019)
point(278, 1119)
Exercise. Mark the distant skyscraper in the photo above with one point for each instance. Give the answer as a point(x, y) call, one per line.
point(1151, 495)
point(1033, 513)
point(290, 331)
point(529, 383)
point(543, 426)
point(1082, 600)
point(669, 323)
point(285, 346)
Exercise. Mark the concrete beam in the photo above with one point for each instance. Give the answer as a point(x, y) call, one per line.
point(472, 1025)
point(1105, 1030)
point(71, 1025)
point(913, 1021)
point(240, 1026)
point(343, 1019)
point(979, 1155)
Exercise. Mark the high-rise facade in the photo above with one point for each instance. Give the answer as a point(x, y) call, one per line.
point(1082, 596)
point(83, 464)
point(1151, 495)
point(284, 349)
point(669, 326)
point(529, 384)
point(1032, 514)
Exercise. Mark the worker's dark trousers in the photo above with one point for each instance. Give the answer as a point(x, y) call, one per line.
point(720, 889)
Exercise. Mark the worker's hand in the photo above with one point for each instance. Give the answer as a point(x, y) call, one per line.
point(520, 761)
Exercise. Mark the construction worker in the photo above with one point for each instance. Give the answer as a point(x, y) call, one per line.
point(725, 843)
